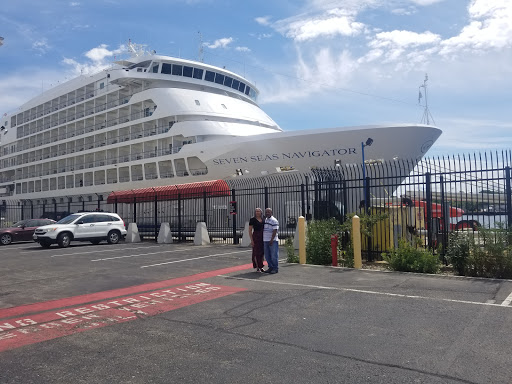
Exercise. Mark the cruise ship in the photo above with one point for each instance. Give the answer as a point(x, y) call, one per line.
point(153, 120)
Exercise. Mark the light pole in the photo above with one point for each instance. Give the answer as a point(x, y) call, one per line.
point(368, 143)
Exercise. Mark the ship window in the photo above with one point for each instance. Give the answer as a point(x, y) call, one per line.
point(198, 73)
point(102, 85)
point(155, 68)
point(227, 81)
point(241, 88)
point(177, 69)
point(143, 64)
point(219, 79)
point(166, 68)
point(197, 102)
point(210, 76)
point(247, 90)
point(187, 71)
point(235, 84)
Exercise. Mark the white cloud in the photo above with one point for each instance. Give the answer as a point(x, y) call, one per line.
point(41, 45)
point(74, 4)
point(426, 2)
point(325, 70)
point(220, 43)
point(335, 22)
point(243, 49)
point(263, 20)
point(99, 60)
point(404, 11)
point(490, 27)
point(101, 52)
point(404, 39)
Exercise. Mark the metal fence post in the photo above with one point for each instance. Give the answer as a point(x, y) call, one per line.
point(22, 210)
point(428, 192)
point(303, 199)
point(134, 209)
point(205, 208)
point(266, 199)
point(179, 217)
point(444, 221)
point(235, 235)
point(308, 207)
point(509, 197)
point(367, 205)
point(31, 208)
point(155, 207)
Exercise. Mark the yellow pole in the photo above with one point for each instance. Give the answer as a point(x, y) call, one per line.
point(302, 240)
point(356, 241)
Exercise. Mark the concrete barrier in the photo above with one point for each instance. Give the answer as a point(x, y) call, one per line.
point(201, 236)
point(132, 233)
point(246, 239)
point(164, 235)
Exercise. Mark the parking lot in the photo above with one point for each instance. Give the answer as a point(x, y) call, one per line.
point(150, 313)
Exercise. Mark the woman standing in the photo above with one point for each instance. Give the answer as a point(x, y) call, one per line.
point(256, 234)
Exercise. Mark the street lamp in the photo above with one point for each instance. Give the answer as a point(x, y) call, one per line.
point(368, 143)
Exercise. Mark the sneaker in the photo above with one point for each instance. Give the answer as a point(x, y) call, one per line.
point(268, 270)
point(274, 271)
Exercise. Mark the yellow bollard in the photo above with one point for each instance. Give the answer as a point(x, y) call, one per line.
point(302, 240)
point(356, 241)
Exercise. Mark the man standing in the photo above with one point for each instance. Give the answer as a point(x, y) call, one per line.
point(271, 241)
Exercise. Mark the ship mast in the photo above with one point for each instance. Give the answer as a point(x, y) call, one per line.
point(427, 116)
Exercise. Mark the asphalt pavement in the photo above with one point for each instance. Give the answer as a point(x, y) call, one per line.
point(149, 313)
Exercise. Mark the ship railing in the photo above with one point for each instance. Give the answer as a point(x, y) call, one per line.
point(111, 181)
point(151, 176)
point(137, 177)
point(197, 172)
point(166, 175)
point(124, 179)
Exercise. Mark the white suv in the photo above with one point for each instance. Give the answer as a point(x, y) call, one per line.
point(84, 226)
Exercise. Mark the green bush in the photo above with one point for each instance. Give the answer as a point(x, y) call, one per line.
point(407, 258)
point(291, 257)
point(318, 243)
point(458, 252)
point(490, 254)
point(347, 255)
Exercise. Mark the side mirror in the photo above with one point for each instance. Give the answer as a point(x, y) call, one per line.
point(79, 222)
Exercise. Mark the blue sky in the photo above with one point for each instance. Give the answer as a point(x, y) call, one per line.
point(317, 63)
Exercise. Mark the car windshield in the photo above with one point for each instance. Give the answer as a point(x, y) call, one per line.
point(68, 219)
point(19, 224)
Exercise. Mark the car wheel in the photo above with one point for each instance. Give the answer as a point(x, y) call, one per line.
point(5, 239)
point(45, 244)
point(64, 240)
point(95, 242)
point(113, 237)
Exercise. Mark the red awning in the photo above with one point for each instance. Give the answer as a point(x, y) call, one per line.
point(171, 192)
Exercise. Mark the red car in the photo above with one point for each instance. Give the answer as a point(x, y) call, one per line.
point(22, 230)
